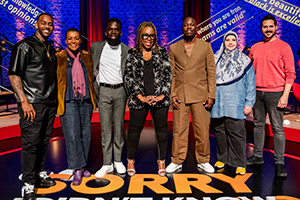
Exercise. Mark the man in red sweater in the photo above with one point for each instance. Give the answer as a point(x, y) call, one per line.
point(273, 62)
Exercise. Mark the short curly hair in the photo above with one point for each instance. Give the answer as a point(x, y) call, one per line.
point(113, 19)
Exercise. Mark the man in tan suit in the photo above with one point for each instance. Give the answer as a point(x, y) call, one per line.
point(193, 91)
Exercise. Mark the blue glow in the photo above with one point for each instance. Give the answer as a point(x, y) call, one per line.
point(250, 31)
point(66, 11)
point(132, 12)
point(166, 15)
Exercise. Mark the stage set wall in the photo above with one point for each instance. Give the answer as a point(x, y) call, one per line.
point(14, 30)
point(250, 31)
point(90, 16)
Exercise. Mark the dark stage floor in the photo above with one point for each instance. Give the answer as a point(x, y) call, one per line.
point(259, 182)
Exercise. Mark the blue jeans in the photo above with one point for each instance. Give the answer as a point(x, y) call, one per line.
point(267, 102)
point(76, 126)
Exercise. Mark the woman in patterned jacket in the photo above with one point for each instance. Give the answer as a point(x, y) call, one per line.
point(147, 79)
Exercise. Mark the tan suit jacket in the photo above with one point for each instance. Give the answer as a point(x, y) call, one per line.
point(194, 77)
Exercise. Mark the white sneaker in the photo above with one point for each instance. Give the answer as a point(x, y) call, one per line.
point(105, 169)
point(172, 167)
point(119, 167)
point(206, 167)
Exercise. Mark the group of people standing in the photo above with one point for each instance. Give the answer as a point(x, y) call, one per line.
point(222, 88)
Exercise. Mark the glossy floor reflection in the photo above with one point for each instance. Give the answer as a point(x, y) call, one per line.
point(262, 183)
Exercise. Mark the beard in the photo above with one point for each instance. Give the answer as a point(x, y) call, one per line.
point(189, 38)
point(273, 33)
point(113, 42)
point(43, 35)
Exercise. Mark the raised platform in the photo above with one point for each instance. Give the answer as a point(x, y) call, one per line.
point(6, 95)
point(259, 182)
point(9, 124)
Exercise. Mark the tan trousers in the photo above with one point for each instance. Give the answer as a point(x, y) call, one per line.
point(201, 120)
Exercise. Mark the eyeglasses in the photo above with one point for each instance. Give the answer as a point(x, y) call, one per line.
point(146, 36)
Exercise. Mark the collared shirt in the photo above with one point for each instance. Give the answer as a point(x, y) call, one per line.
point(110, 65)
point(29, 60)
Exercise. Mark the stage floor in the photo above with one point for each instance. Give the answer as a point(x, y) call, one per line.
point(260, 181)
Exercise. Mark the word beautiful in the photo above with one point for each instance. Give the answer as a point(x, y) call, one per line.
point(281, 9)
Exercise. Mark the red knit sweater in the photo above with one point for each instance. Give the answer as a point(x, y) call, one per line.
point(274, 65)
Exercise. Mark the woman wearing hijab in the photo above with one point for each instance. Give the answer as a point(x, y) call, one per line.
point(235, 97)
point(147, 79)
point(76, 100)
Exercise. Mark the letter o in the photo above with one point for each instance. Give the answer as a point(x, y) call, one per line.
point(56, 188)
point(116, 183)
point(10, 7)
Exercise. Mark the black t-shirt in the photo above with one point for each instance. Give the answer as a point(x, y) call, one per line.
point(148, 77)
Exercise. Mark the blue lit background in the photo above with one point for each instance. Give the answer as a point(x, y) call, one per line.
point(66, 11)
point(250, 31)
point(165, 14)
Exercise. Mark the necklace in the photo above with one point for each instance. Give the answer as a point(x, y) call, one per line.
point(47, 48)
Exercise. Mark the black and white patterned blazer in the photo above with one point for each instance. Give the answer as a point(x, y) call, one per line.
point(134, 77)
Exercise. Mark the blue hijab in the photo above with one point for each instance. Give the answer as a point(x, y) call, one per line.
point(231, 65)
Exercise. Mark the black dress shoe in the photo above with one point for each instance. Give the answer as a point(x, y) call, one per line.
point(280, 170)
point(254, 160)
point(29, 196)
point(44, 180)
point(28, 192)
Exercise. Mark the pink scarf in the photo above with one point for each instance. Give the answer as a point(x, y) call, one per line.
point(77, 76)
